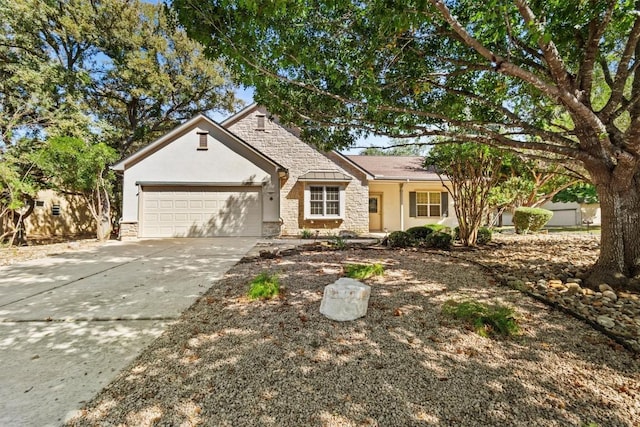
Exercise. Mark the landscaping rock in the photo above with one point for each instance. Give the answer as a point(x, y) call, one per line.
point(606, 321)
point(345, 299)
point(604, 287)
point(610, 294)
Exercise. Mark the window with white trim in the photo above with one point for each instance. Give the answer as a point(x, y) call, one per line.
point(324, 201)
point(428, 203)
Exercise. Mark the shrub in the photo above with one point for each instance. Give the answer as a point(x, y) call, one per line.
point(363, 271)
point(487, 320)
point(419, 233)
point(265, 286)
point(484, 235)
point(530, 219)
point(400, 239)
point(438, 240)
point(438, 227)
point(307, 234)
point(456, 233)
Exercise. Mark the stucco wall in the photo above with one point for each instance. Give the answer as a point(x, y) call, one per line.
point(74, 217)
point(180, 161)
point(391, 212)
point(287, 149)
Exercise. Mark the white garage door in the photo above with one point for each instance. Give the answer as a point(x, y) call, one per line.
point(564, 217)
point(200, 211)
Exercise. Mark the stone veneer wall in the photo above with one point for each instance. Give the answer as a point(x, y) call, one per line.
point(287, 149)
point(128, 230)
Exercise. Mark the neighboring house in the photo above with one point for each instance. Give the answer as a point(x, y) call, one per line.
point(252, 176)
point(566, 214)
point(57, 214)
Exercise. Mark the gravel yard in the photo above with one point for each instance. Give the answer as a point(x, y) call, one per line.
point(233, 362)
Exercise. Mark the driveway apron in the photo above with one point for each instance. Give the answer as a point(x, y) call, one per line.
point(69, 323)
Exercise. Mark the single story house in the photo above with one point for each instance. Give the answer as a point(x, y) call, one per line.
point(252, 176)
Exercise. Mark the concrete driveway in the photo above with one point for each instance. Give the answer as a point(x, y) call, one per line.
point(69, 323)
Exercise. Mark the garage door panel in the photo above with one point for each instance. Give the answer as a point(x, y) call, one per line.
point(206, 212)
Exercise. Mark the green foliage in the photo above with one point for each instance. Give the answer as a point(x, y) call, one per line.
point(363, 271)
point(578, 193)
point(420, 233)
point(74, 165)
point(405, 149)
point(264, 286)
point(438, 227)
point(307, 234)
point(400, 239)
point(530, 219)
point(338, 243)
point(439, 240)
point(484, 235)
point(487, 320)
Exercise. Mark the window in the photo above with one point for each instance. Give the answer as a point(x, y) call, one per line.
point(202, 141)
point(260, 122)
point(55, 210)
point(428, 204)
point(324, 201)
point(373, 205)
point(39, 203)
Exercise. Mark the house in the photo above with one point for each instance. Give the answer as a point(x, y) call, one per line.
point(252, 176)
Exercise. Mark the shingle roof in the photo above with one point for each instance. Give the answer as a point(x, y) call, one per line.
point(395, 167)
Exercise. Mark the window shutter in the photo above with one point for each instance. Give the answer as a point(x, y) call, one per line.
point(444, 204)
point(412, 204)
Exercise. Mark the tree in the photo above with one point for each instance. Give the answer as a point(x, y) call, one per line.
point(397, 149)
point(581, 192)
point(77, 167)
point(473, 171)
point(552, 77)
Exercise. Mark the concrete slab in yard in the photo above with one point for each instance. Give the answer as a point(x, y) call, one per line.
point(70, 322)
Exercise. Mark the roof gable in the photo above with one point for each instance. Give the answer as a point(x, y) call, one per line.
point(169, 137)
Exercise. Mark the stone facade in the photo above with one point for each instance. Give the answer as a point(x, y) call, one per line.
point(128, 230)
point(284, 146)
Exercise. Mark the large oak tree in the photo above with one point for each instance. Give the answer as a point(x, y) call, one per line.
point(553, 76)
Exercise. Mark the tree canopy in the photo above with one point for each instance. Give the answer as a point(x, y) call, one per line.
point(107, 73)
point(557, 78)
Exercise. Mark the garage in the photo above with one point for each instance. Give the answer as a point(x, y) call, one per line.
point(563, 217)
point(200, 211)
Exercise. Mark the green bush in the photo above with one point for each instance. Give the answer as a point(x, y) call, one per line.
point(530, 219)
point(307, 234)
point(363, 271)
point(419, 233)
point(438, 240)
point(400, 239)
point(265, 285)
point(484, 235)
point(487, 320)
point(438, 227)
point(456, 233)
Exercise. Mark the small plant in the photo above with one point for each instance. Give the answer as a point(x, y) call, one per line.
point(530, 219)
point(338, 243)
point(400, 239)
point(363, 271)
point(438, 228)
point(419, 233)
point(438, 240)
point(307, 234)
point(265, 286)
point(487, 320)
point(484, 235)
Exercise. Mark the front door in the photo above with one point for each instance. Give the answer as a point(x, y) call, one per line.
point(375, 212)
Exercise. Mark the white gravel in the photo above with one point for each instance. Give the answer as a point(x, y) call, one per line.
point(233, 362)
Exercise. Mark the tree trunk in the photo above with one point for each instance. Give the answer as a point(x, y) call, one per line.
point(619, 262)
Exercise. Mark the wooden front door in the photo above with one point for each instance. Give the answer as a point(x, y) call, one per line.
point(375, 212)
